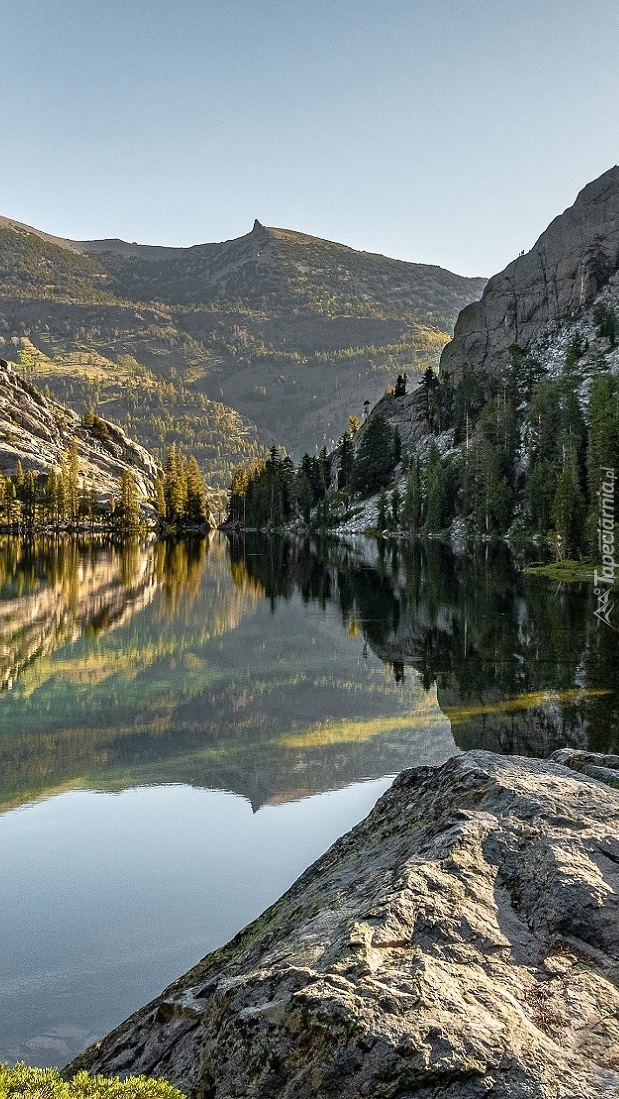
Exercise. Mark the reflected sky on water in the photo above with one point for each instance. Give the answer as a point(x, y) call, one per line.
point(185, 726)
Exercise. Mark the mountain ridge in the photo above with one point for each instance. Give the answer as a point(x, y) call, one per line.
point(223, 348)
point(117, 245)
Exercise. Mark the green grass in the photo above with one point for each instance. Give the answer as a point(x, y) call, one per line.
point(569, 572)
point(23, 1082)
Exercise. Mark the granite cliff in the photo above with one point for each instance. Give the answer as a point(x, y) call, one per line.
point(563, 272)
point(462, 940)
point(38, 431)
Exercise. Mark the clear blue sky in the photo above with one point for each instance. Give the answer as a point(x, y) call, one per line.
point(448, 132)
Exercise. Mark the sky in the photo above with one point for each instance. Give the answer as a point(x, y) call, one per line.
point(447, 132)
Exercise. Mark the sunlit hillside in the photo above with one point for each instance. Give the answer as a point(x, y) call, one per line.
point(273, 337)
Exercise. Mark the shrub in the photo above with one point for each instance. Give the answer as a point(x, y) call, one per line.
point(23, 1082)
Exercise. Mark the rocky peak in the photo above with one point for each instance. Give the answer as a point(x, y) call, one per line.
point(564, 271)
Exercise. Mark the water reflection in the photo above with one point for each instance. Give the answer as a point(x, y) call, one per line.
point(521, 665)
point(255, 664)
point(273, 669)
point(158, 663)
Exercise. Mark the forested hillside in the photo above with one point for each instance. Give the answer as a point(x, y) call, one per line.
point(517, 442)
point(221, 348)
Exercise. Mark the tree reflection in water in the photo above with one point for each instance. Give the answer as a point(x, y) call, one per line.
point(255, 664)
point(520, 663)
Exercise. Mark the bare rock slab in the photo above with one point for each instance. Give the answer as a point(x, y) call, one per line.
point(462, 941)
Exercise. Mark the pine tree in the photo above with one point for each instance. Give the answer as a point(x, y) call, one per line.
point(375, 459)
point(469, 399)
point(19, 478)
point(29, 497)
point(51, 496)
point(12, 507)
point(568, 512)
point(412, 506)
point(603, 435)
point(435, 494)
point(160, 499)
point(197, 504)
point(396, 500)
point(347, 456)
point(70, 483)
point(128, 507)
point(427, 401)
point(175, 485)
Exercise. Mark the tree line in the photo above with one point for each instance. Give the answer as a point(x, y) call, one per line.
point(525, 457)
point(272, 493)
point(65, 498)
point(516, 453)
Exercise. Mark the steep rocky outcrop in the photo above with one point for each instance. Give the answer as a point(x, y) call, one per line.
point(563, 271)
point(604, 768)
point(463, 940)
point(38, 431)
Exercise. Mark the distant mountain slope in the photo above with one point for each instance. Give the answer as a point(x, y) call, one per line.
point(274, 336)
point(272, 269)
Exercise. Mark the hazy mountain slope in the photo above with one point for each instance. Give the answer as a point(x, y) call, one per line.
point(275, 333)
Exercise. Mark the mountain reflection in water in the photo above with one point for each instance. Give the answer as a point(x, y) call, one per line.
point(151, 684)
point(168, 662)
point(278, 668)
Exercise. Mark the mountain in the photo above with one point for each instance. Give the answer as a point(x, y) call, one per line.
point(518, 434)
point(532, 297)
point(38, 431)
point(225, 348)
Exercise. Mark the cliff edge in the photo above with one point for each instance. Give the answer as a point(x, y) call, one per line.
point(37, 431)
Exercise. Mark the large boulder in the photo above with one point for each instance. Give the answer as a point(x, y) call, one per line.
point(462, 941)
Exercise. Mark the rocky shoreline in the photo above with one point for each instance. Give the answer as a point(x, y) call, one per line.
point(461, 941)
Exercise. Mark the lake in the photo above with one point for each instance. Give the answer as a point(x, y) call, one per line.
point(184, 727)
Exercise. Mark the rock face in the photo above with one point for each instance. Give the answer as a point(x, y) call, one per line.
point(563, 271)
point(38, 431)
point(603, 768)
point(463, 940)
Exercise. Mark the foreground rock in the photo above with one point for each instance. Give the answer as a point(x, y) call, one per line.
point(463, 940)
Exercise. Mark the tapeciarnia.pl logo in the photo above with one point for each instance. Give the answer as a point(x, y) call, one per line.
point(604, 580)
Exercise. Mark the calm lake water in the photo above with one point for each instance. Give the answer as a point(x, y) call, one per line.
point(185, 727)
